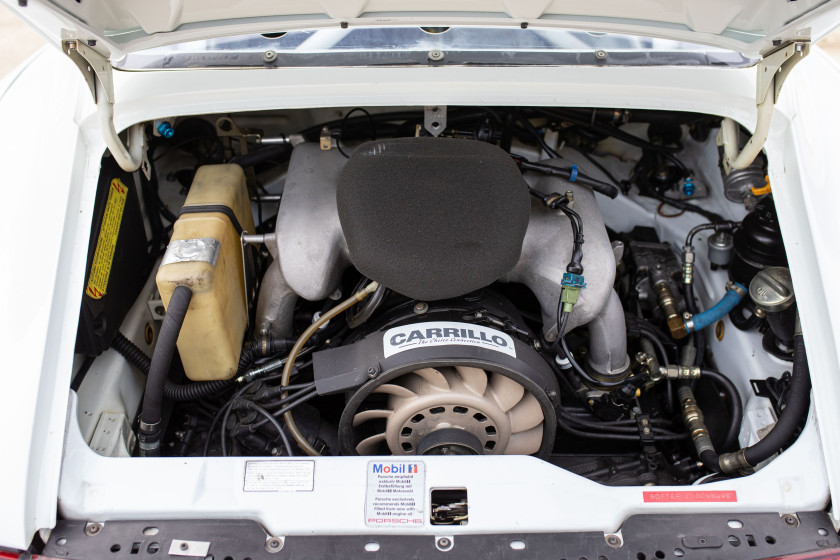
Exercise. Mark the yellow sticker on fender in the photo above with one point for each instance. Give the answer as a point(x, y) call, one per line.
point(103, 257)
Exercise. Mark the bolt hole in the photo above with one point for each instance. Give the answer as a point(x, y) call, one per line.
point(228, 557)
point(225, 125)
point(405, 432)
point(659, 554)
point(406, 446)
point(603, 558)
point(460, 410)
point(437, 410)
point(435, 124)
point(640, 556)
point(479, 417)
point(770, 539)
point(372, 547)
point(490, 445)
point(822, 532)
point(734, 524)
point(61, 541)
point(417, 418)
point(209, 557)
point(115, 548)
point(491, 430)
point(679, 553)
point(517, 545)
point(153, 548)
point(733, 540)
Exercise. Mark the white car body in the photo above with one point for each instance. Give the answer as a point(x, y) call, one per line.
point(52, 147)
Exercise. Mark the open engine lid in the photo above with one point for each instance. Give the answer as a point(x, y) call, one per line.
point(750, 27)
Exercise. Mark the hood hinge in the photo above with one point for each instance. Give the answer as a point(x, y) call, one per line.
point(98, 74)
point(772, 71)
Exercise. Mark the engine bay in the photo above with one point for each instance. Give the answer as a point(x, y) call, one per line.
point(588, 286)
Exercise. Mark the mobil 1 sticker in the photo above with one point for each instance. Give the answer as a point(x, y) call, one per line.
point(396, 493)
point(443, 333)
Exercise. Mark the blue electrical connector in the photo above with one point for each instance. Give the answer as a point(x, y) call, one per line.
point(688, 186)
point(166, 129)
point(572, 285)
point(734, 294)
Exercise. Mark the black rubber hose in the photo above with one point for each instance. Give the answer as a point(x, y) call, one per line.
point(797, 404)
point(744, 323)
point(150, 432)
point(263, 154)
point(172, 391)
point(736, 407)
point(605, 189)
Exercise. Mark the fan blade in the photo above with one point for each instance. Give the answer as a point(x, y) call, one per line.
point(474, 379)
point(526, 414)
point(525, 443)
point(370, 445)
point(366, 415)
point(396, 390)
point(433, 377)
point(506, 391)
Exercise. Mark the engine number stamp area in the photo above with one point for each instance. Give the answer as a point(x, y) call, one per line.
point(395, 494)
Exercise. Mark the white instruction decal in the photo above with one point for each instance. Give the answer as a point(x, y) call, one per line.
point(439, 333)
point(396, 494)
point(279, 476)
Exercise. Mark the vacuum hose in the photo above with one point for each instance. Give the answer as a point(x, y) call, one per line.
point(150, 432)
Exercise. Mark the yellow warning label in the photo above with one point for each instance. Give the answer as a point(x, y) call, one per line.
point(103, 257)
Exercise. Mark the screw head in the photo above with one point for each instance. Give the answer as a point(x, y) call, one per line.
point(601, 54)
point(273, 544)
point(93, 529)
point(372, 371)
point(791, 520)
point(421, 307)
point(269, 56)
point(613, 540)
point(444, 542)
point(435, 54)
point(185, 546)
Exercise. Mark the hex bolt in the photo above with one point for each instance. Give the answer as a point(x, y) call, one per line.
point(93, 529)
point(372, 371)
point(269, 56)
point(273, 544)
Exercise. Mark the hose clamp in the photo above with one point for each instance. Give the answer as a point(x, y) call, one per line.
point(149, 428)
point(731, 463)
point(573, 173)
point(737, 288)
point(148, 445)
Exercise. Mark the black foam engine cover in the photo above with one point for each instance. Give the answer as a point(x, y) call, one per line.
point(433, 218)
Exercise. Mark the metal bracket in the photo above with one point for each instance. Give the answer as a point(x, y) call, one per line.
point(772, 71)
point(93, 66)
point(435, 119)
point(774, 68)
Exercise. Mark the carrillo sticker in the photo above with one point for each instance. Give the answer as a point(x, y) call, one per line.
point(439, 333)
